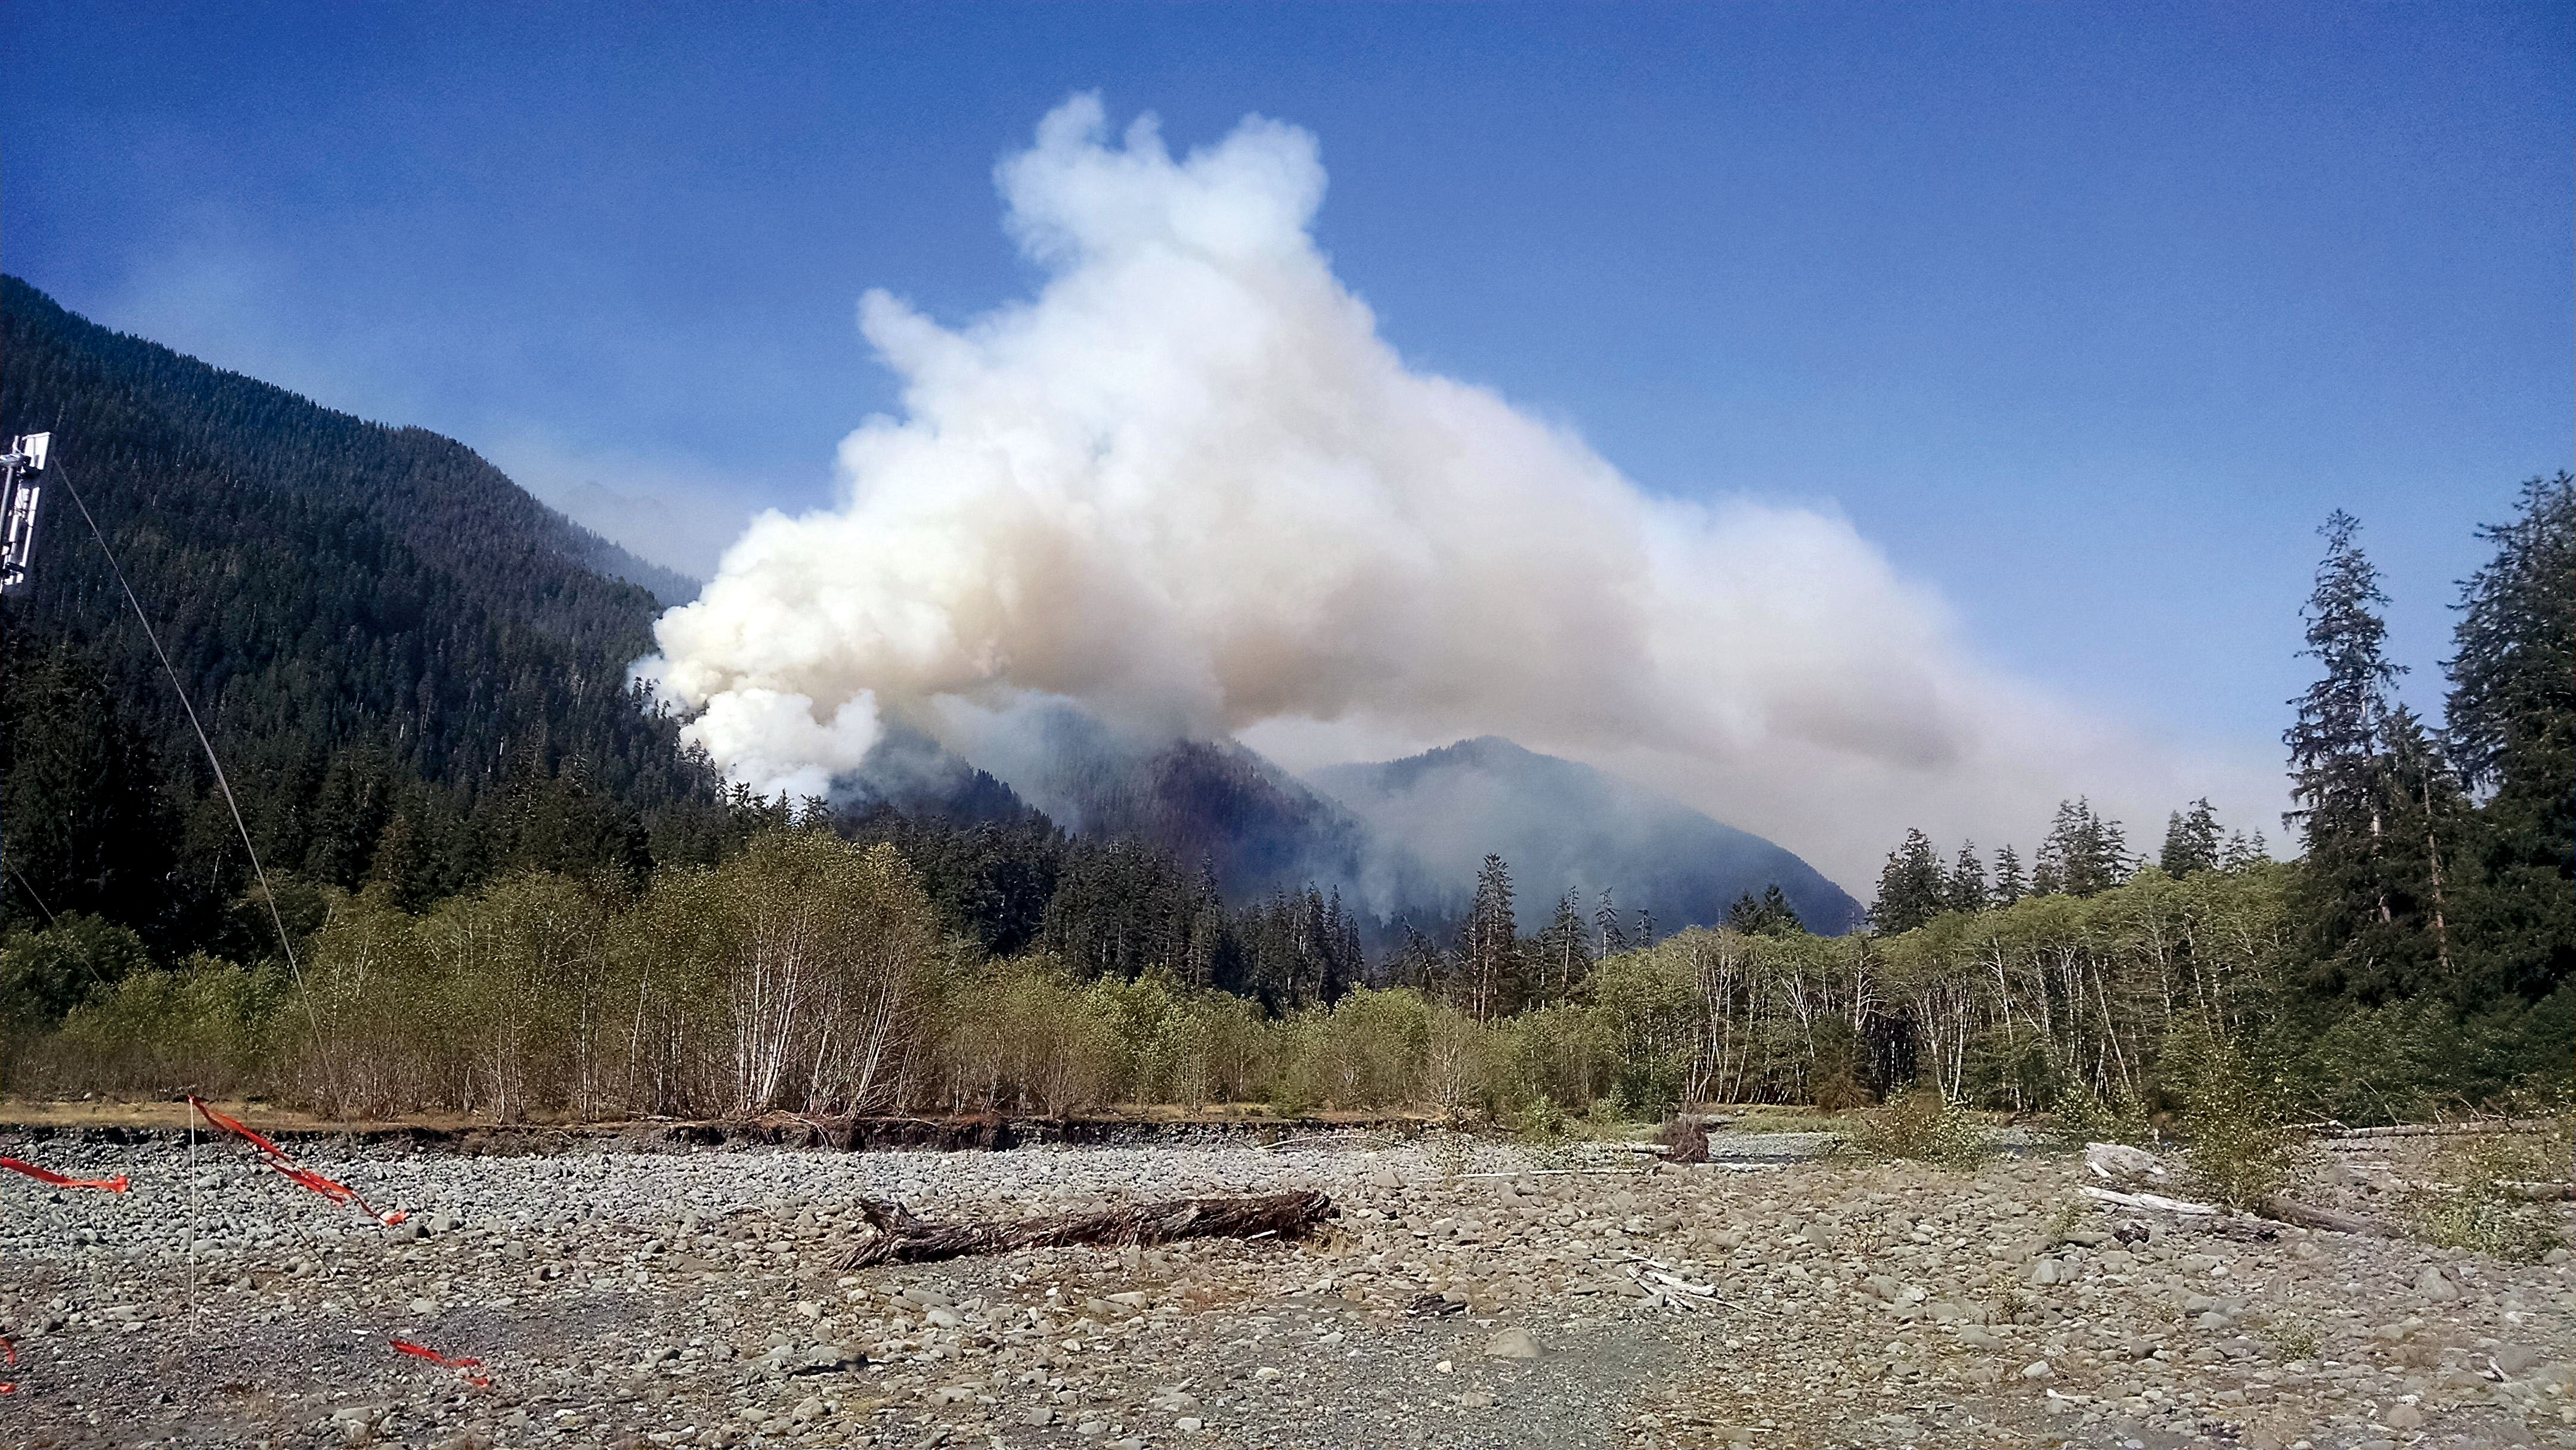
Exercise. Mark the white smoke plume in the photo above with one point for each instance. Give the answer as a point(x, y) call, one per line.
point(1190, 487)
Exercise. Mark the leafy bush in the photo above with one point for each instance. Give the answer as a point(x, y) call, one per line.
point(2091, 1117)
point(1559, 1056)
point(1367, 1052)
point(206, 1027)
point(1924, 1127)
point(2470, 1203)
point(45, 974)
point(1833, 1081)
point(1538, 1119)
point(2296, 1339)
point(2245, 1146)
point(1647, 1010)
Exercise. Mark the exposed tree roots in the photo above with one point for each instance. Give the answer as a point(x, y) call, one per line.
point(904, 1239)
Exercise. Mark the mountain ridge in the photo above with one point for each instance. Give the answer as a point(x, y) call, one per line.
point(329, 585)
point(1550, 819)
point(323, 584)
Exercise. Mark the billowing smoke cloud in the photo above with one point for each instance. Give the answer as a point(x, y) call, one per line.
point(1189, 487)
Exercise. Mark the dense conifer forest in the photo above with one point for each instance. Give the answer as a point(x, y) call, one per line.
point(511, 890)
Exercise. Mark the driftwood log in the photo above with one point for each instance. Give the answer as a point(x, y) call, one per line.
point(2334, 1220)
point(2133, 1168)
point(904, 1239)
point(2473, 1126)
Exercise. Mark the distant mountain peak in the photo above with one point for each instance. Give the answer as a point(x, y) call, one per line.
point(1563, 825)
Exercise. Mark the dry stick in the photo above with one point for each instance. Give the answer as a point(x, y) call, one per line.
point(902, 1238)
point(2523, 1189)
point(275, 919)
point(1315, 1138)
point(1702, 1291)
point(2148, 1200)
point(2538, 1192)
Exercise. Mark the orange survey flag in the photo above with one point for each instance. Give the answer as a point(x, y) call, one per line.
point(423, 1351)
point(47, 1175)
point(284, 1167)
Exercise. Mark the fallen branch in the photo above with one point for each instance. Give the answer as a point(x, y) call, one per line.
point(2149, 1200)
point(2334, 1220)
point(1343, 1135)
point(1675, 1285)
point(2279, 1209)
point(904, 1239)
point(2429, 1130)
point(2538, 1192)
point(2524, 1190)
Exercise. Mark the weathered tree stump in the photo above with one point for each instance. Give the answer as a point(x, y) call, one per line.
point(903, 1239)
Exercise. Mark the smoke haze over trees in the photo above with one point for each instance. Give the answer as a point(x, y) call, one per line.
point(521, 891)
point(1190, 489)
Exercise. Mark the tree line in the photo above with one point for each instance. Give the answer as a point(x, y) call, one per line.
point(596, 959)
point(2435, 858)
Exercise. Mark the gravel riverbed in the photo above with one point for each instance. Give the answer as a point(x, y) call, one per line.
point(1470, 1294)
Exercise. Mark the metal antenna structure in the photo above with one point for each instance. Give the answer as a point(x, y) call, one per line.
point(25, 458)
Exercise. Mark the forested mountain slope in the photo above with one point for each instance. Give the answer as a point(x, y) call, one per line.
point(356, 609)
point(1255, 826)
point(1565, 826)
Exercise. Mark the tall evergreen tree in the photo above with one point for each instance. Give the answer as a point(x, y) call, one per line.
point(2009, 886)
point(1418, 961)
point(2045, 877)
point(2426, 813)
point(2511, 728)
point(2242, 852)
point(1910, 886)
point(1565, 950)
point(2353, 757)
point(1769, 914)
point(1610, 937)
point(88, 826)
point(2084, 854)
point(2192, 841)
point(1489, 943)
point(1966, 888)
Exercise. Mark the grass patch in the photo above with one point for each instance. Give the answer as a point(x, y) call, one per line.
point(2296, 1339)
point(2469, 1201)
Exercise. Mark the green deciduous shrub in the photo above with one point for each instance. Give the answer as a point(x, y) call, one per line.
point(2117, 1116)
point(2246, 1145)
point(45, 974)
point(2471, 1202)
point(1924, 1127)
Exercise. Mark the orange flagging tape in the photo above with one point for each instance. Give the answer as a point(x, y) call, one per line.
point(47, 1175)
point(284, 1167)
point(9, 1347)
point(423, 1351)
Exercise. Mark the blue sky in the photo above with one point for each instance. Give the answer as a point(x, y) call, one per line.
point(2086, 315)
